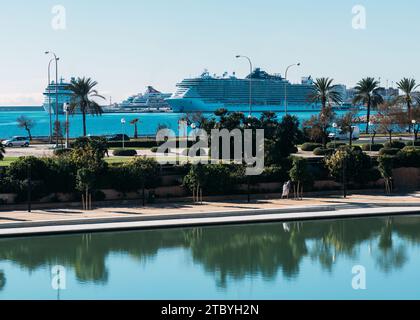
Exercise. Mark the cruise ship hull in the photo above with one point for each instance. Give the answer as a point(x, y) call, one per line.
point(186, 105)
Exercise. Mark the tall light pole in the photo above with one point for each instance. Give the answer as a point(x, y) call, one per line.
point(123, 121)
point(285, 84)
point(49, 97)
point(67, 126)
point(250, 82)
point(56, 91)
point(413, 122)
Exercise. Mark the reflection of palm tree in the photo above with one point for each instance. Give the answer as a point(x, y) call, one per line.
point(2, 280)
point(389, 257)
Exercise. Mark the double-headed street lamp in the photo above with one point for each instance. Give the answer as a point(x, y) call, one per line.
point(56, 90)
point(49, 97)
point(285, 84)
point(250, 82)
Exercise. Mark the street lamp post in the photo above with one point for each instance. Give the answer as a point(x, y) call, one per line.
point(123, 132)
point(335, 134)
point(56, 91)
point(285, 85)
point(49, 98)
point(250, 81)
point(67, 125)
point(413, 122)
point(370, 124)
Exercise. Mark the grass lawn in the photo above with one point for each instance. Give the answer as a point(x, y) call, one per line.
point(7, 161)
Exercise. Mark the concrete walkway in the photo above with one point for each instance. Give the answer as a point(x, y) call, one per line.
point(116, 218)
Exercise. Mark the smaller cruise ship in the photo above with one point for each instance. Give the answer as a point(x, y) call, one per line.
point(64, 96)
point(151, 101)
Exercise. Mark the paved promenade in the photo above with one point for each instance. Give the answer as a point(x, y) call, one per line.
point(161, 215)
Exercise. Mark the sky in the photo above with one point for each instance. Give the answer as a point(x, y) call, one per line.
point(127, 45)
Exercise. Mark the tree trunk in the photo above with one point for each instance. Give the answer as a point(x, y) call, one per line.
point(409, 117)
point(368, 114)
point(351, 136)
point(136, 135)
point(390, 136)
point(373, 138)
point(29, 134)
point(84, 123)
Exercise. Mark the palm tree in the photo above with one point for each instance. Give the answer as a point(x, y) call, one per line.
point(82, 93)
point(367, 93)
point(408, 86)
point(325, 92)
point(135, 122)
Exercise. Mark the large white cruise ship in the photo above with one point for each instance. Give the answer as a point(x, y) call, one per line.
point(151, 101)
point(209, 93)
point(63, 94)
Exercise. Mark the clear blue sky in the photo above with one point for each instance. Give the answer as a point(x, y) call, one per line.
point(128, 44)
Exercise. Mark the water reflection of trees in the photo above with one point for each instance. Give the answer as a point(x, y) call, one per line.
point(226, 252)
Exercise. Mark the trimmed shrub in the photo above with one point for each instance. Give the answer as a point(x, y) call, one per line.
point(124, 152)
point(199, 152)
point(410, 143)
point(154, 149)
point(309, 146)
point(389, 151)
point(395, 145)
point(133, 144)
point(335, 145)
point(373, 147)
point(323, 152)
point(62, 152)
point(409, 157)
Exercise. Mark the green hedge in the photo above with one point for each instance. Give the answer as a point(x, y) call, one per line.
point(124, 153)
point(323, 152)
point(310, 146)
point(133, 144)
point(410, 143)
point(373, 147)
point(335, 145)
point(61, 152)
point(395, 145)
point(389, 151)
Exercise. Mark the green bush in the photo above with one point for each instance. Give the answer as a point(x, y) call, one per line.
point(388, 151)
point(124, 152)
point(323, 152)
point(309, 146)
point(146, 144)
point(335, 145)
point(395, 145)
point(373, 147)
point(199, 152)
point(62, 152)
point(410, 143)
point(214, 179)
point(409, 157)
point(154, 149)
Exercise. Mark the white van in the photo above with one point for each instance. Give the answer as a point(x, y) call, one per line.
point(345, 135)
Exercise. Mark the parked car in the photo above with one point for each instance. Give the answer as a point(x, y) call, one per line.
point(117, 137)
point(345, 135)
point(16, 142)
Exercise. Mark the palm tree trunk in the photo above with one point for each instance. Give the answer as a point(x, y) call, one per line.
point(84, 122)
point(409, 116)
point(135, 131)
point(368, 115)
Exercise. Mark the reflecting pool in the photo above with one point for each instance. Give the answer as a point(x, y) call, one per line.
point(310, 260)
